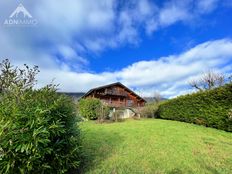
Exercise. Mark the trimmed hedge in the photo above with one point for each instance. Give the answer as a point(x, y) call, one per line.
point(210, 108)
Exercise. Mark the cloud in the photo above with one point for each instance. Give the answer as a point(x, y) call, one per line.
point(173, 12)
point(102, 25)
point(69, 32)
point(95, 27)
point(168, 75)
point(207, 5)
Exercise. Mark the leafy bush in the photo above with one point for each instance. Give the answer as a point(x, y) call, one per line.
point(210, 108)
point(89, 108)
point(38, 130)
point(149, 110)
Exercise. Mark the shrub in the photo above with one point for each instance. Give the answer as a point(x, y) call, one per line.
point(38, 131)
point(149, 110)
point(89, 108)
point(210, 108)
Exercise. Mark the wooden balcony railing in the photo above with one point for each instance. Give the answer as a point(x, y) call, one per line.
point(119, 104)
point(117, 93)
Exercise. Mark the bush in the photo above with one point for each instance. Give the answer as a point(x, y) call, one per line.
point(210, 108)
point(149, 110)
point(89, 108)
point(93, 109)
point(38, 133)
point(38, 129)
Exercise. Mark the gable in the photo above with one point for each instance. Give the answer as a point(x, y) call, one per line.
point(119, 87)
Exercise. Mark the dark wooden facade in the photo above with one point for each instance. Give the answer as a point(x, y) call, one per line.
point(116, 95)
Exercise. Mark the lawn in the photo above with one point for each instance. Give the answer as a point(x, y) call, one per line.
point(155, 146)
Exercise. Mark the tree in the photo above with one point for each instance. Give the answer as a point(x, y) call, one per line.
point(208, 80)
point(104, 112)
point(12, 77)
point(157, 97)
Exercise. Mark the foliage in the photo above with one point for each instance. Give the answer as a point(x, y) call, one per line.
point(230, 114)
point(15, 78)
point(149, 110)
point(38, 129)
point(155, 146)
point(92, 108)
point(209, 108)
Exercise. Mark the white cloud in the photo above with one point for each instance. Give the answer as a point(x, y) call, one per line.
point(207, 5)
point(173, 12)
point(97, 26)
point(73, 28)
point(70, 54)
point(169, 75)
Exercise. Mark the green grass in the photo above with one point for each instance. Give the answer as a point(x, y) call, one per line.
point(155, 146)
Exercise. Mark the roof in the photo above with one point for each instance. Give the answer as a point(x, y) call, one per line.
point(113, 84)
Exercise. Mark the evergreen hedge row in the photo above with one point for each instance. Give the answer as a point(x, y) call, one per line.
point(211, 108)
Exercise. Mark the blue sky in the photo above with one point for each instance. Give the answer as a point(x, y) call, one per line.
point(149, 45)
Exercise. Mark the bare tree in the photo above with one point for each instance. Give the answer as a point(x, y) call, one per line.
point(157, 97)
point(208, 80)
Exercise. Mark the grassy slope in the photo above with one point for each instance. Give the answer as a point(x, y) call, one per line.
point(156, 146)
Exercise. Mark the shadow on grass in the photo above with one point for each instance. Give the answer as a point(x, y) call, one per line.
point(98, 145)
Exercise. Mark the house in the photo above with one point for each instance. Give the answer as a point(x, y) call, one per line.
point(116, 95)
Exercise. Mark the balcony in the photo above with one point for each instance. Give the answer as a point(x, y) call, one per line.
point(119, 104)
point(115, 93)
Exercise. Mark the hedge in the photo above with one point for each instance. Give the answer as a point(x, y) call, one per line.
point(211, 108)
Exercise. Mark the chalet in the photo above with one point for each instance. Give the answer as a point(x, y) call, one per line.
point(116, 95)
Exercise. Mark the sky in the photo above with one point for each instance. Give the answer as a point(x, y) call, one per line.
point(148, 45)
